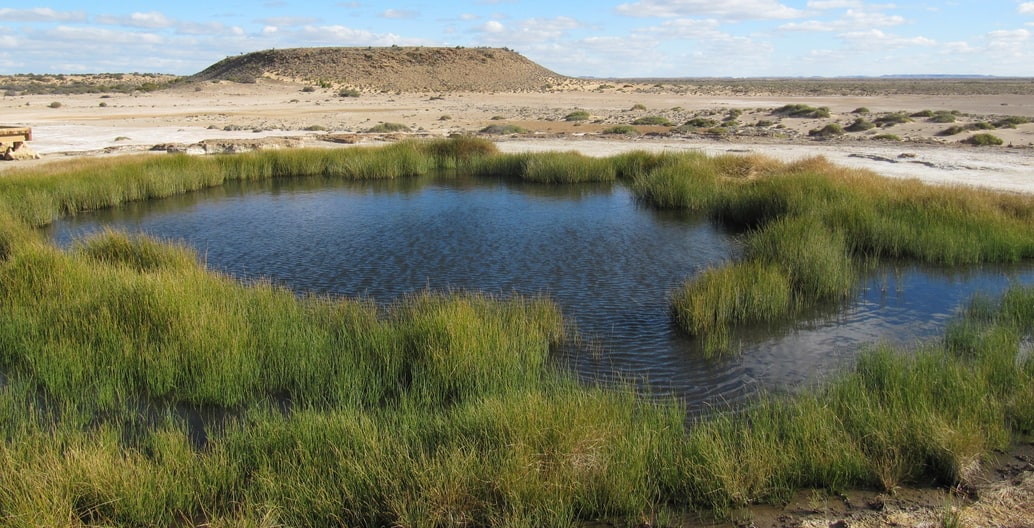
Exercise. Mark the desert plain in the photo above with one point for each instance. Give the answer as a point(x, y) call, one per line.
point(745, 118)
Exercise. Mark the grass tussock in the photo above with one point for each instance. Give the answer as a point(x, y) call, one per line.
point(817, 222)
point(139, 387)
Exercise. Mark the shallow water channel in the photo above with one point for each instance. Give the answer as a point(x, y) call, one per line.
point(609, 263)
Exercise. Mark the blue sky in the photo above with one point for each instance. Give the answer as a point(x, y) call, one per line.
point(621, 38)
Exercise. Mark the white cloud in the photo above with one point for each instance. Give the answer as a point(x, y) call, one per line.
point(727, 9)
point(532, 31)
point(40, 14)
point(875, 39)
point(851, 20)
point(833, 4)
point(288, 21)
point(152, 20)
point(1026, 8)
point(269, 30)
point(93, 35)
point(399, 14)
point(493, 26)
point(1006, 35)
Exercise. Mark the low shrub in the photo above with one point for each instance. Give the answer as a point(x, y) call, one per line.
point(384, 128)
point(983, 140)
point(701, 122)
point(943, 116)
point(638, 106)
point(861, 125)
point(1011, 122)
point(348, 92)
point(625, 130)
point(953, 130)
point(55, 104)
point(652, 121)
point(828, 131)
point(890, 120)
point(577, 115)
point(502, 130)
point(860, 110)
point(802, 111)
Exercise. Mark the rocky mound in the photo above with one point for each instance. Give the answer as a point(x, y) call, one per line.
point(405, 69)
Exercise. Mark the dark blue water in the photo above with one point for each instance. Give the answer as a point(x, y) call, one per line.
point(607, 262)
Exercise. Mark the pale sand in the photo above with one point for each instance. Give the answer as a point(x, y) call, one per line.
point(191, 113)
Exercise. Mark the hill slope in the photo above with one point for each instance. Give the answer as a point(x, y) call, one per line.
point(406, 69)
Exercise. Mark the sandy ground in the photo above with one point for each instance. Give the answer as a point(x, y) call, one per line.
point(93, 125)
point(96, 124)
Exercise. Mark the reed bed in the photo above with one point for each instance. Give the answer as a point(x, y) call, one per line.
point(139, 388)
point(820, 224)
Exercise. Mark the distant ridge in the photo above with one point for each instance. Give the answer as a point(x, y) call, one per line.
point(405, 69)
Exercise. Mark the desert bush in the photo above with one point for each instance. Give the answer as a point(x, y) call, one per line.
point(764, 123)
point(652, 121)
point(309, 89)
point(860, 110)
point(892, 119)
point(55, 104)
point(983, 140)
point(627, 130)
point(348, 92)
point(638, 106)
point(830, 130)
point(943, 116)
point(860, 125)
point(887, 137)
point(701, 122)
point(383, 128)
point(1011, 122)
point(578, 115)
point(953, 130)
point(923, 113)
point(802, 111)
point(503, 130)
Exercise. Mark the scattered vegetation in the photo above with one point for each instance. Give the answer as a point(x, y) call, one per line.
point(984, 140)
point(652, 121)
point(861, 125)
point(504, 129)
point(349, 92)
point(1011, 122)
point(384, 128)
point(887, 137)
point(626, 130)
point(701, 122)
point(889, 120)
point(578, 115)
point(802, 111)
point(828, 131)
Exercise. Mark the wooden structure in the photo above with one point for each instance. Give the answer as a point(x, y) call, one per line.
point(12, 143)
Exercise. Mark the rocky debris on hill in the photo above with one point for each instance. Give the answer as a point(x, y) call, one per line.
point(401, 69)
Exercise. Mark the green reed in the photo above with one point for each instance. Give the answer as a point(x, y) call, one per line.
point(445, 408)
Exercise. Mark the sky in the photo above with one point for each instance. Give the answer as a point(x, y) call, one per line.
point(584, 38)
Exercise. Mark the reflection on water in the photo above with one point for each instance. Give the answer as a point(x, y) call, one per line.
point(608, 263)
